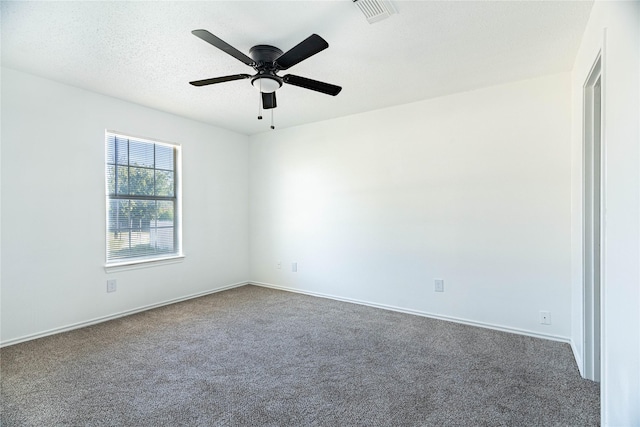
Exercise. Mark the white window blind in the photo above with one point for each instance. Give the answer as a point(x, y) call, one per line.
point(142, 199)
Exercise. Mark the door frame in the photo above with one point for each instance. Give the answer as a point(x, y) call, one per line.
point(593, 224)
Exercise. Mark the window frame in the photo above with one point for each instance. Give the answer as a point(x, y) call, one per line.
point(149, 260)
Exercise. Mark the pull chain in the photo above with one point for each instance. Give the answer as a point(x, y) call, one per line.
point(272, 126)
point(260, 102)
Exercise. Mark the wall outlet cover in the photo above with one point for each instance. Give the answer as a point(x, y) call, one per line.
point(439, 285)
point(545, 317)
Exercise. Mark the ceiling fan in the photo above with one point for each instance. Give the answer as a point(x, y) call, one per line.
point(267, 61)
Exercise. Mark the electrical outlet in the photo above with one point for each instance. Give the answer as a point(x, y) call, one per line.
point(111, 285)
point(279, 265)
point(439, 285)
point(545, 317)
point(294, 267)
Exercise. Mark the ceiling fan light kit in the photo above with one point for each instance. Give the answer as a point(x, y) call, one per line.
point(267, 60)
point(266, 84)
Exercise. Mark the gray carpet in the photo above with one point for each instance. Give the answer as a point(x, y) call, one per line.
point(259, 357)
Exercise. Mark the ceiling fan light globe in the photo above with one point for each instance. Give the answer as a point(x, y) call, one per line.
point(266, 84)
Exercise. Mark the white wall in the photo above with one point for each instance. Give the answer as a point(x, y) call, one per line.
point(472, 188)
point(53, 207)
point(621, 286)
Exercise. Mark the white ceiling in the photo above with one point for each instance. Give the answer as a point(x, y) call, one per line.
point(144, 52)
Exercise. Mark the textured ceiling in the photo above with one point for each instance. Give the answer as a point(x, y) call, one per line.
point(144, 52)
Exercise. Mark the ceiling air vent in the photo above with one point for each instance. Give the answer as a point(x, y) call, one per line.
point(375, 10)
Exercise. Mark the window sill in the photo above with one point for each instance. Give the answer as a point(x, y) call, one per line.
point(135, 265)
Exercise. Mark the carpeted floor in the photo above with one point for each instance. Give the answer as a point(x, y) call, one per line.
point(253, 356)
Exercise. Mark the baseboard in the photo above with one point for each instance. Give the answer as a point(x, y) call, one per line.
point(578, 357)
point(419, 313)
point(300, 291)
point(116, 315)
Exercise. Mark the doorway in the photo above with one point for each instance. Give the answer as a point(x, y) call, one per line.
point(592, 220)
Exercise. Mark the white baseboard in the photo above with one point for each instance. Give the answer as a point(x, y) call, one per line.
point(115, 315)
point(300, 291)
point(578, 357)
point(420, 313)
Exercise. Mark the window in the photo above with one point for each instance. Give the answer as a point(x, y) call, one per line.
point(143, 199)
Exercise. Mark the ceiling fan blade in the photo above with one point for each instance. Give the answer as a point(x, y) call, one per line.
point(303, 50)
point(269, 100)
point(220, 79)
point(306, 83)
point(222, 45)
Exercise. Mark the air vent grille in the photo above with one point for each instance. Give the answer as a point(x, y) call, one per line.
point(375, 10)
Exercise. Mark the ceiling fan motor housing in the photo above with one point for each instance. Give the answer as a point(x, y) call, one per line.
point(264, 56)
point(265, 53)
